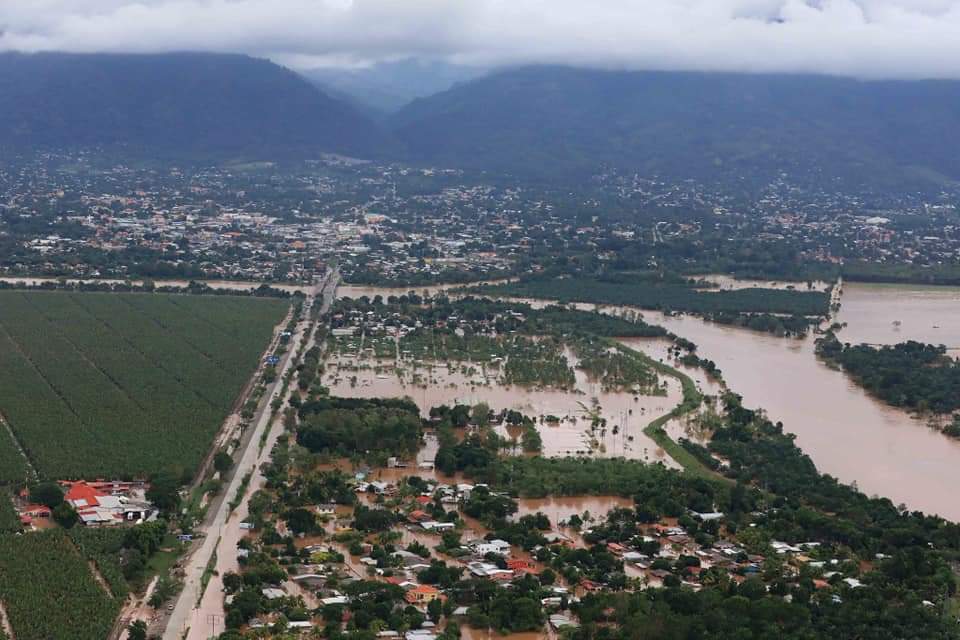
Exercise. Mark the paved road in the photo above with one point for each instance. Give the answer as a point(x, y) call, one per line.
point(186, 614)
point(208, 618)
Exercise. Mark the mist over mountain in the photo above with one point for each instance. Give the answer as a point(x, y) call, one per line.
point(551, 121)
point(387, 86)
point(179, 104)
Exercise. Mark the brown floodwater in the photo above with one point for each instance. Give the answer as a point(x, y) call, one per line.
point(560, 509)
point(465, 383)
point(886, 314)
point(729, 283)
point(232, 285)
point(847, 433)
point(359, 290)
point(686, 426)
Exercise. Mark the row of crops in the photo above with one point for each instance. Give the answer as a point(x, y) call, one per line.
point(9, 522)
point(104, 547)
point(13, 466)
point(118, 385)
point(49, 592)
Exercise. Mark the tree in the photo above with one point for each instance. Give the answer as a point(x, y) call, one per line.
point(65, 515)
point(300, 520)
point(222, 462)
point(232, 582)
point(166, 588)
point(146, 537)
point(245, 605)
point(435, 609)
point(137, 630)
point(480, 414)
point(164, 492)
point(450, 539)
point(368, 520)
point(47, 493)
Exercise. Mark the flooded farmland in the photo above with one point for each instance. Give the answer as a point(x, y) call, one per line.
point(433, 384)
point(729, 283)
point(358, 291)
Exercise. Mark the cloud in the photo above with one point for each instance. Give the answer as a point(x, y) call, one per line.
point(864, 38)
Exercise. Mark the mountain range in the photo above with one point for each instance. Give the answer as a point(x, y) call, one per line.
point(691, 125)
point(545, 122)
point(180, 104)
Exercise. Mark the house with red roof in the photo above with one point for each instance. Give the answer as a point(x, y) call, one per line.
point(96, 507)
point(422, 594)
point(36, 511)
point(615, 548)
point(589, 585)
point(83, 496)
point(418, 515)
point(520, 567)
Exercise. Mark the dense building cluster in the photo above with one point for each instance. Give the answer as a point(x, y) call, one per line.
point(72, 216)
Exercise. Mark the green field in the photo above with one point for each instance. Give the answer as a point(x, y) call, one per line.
point(49, 592)
point(9, 521)
point(13, 466)
point(119, 385)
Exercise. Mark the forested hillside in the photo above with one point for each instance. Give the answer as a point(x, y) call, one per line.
point(192, 105)
point(744, 128)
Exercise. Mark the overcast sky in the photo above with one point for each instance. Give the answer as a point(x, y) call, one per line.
point(867, 38)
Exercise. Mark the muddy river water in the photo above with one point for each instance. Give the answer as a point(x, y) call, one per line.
point(848, 434)
point(887, 314)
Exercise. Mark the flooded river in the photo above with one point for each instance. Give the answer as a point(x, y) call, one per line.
point(887, 314)
point(847, 433)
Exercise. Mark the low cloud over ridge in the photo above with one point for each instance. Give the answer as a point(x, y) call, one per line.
point(861, 38)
